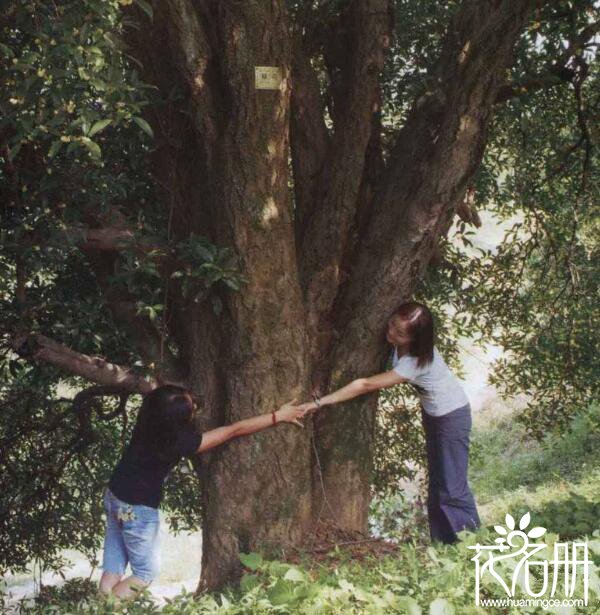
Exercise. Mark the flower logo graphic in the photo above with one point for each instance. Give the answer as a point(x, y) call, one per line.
point(535, 532)
point(516, 551)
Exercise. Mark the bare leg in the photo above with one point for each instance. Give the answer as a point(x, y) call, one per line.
point(129, 587)
point(108, 581)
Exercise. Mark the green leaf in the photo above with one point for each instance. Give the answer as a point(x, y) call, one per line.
point(146, 7)
point(594, 545)
point(411, 605)
point(56, 145)
point(143, 124)
point(98, 84)
point(345, 585)
point(98, 126)
point(233, 284)
point(249, 582)
point(217, 305)
point(281, 593)
point(6, 51)
point(393, 577)
point(94, 149)
point(295, 575)
point(277, 569)
point(251, 560)
point(13, 151)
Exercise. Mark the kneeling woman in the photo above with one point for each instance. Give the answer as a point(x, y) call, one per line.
point(445, 412)
point(164, 433)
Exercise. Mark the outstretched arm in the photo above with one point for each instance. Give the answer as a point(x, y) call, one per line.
point(286, 414)
point(357, 387)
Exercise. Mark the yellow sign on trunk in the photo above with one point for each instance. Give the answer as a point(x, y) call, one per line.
point(267, 77)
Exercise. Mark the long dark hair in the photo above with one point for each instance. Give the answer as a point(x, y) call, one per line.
point(419, 325)
point(164, 411)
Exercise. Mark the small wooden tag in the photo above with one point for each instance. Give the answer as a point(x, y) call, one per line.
point(267, 77)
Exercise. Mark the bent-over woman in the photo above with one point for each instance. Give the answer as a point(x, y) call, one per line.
point(164, 433)
point(445, 412)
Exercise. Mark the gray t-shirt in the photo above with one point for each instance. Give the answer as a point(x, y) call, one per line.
point(439, 390)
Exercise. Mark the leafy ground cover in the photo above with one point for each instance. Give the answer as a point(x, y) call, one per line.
point(557, 481)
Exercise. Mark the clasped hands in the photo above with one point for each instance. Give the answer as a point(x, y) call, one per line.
point(292, 412)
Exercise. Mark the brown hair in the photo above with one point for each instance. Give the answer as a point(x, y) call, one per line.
point(419, 325)
point(163, 413)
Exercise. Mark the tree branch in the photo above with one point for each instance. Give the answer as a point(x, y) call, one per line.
point(556, 76)
point(556, 73)
point(193, 53)
point(108, 239)
point(435, 156)
point(149, 340)
point(178, 58)
point(40, 348)
point(117, 239)
point(84, 403)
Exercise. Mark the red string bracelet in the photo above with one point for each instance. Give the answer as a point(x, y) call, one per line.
point(273, 417)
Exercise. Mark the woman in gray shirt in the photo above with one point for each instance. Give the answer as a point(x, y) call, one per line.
point(445, 412)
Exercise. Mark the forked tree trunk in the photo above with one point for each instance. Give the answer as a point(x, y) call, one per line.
point(320, 284)
point(435, 157)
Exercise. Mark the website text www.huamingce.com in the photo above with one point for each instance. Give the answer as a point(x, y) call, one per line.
point(545, 603)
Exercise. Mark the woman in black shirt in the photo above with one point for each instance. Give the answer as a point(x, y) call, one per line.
point(164, 433)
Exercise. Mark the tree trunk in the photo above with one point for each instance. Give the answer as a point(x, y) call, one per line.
point(252, 357)
point(319, 288)
point(436, 154)
point(257, 490)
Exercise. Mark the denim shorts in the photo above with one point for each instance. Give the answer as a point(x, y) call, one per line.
point(131, 537)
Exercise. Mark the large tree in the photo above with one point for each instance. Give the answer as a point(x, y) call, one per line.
point(280, 227)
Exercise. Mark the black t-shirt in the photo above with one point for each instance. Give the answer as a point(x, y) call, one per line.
point(139, 475)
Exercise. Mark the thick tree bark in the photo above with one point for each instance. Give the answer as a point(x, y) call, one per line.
point(257, 490)
point(357, 51)
point(317, 296)
point(252, 357)
point(435, 157)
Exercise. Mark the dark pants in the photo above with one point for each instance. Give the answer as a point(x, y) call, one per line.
point(450, 503)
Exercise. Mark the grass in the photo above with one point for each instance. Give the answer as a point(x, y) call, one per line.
point(558, 481)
